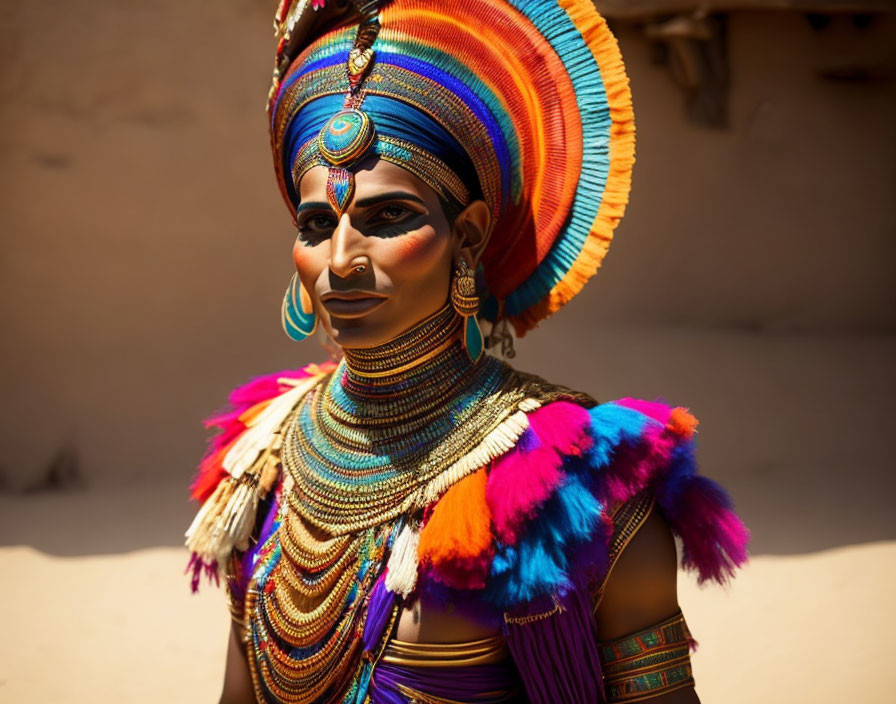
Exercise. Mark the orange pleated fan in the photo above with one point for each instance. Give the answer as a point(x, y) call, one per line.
point(535, 93)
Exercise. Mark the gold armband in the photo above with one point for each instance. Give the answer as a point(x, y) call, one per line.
point(648, 663)
point(236, 606)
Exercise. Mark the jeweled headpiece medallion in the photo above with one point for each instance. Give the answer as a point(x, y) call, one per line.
point(346, 137)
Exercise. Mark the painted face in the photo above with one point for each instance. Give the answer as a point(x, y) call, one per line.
point(381, 267)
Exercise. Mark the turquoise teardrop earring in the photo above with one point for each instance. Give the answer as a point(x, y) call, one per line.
point(466, 303)
point(297, 312)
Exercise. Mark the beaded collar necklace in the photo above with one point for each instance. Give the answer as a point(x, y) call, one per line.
point(365, 445)
point(355, 454)
point(371, 445)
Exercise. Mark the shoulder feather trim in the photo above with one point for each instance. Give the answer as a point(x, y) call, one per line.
point(526, 527)
point(242, 465)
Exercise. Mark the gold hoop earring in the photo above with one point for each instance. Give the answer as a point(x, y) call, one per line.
point(465, 301)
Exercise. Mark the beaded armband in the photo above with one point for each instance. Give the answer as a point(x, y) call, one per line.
point(648, 663)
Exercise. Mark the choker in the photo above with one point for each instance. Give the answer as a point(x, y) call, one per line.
point(395, 425)
point(434, 340)
point(406, 379)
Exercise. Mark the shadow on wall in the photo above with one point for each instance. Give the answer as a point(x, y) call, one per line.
point(752, 278)
point(797, 427)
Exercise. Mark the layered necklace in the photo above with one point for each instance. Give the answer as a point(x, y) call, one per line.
point(364, 446)
point(363, 453)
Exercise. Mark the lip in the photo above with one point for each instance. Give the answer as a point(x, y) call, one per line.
point(351, 304)
point(350, 295)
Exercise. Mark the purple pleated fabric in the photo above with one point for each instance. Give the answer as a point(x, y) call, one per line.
point(238, 587)
point(557, 656)
point(483, 684)
point(554, 659)
point(379, 609)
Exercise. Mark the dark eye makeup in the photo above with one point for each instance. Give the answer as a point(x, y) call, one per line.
point(387, 219)
point(315, 226)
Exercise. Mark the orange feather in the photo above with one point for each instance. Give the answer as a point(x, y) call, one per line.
point(456, 541)
point(682, 423)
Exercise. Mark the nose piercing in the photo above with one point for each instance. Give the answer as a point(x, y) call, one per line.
point(360, 268)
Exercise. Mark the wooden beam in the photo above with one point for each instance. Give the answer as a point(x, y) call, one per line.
point(636, 9)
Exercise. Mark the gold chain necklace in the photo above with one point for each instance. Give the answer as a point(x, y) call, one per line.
point(365, 449)
point(364, 443)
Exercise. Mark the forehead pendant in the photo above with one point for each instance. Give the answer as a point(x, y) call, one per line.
point(344, 140)
point(349, 135)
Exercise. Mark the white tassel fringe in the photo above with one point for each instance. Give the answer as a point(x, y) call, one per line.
point(401, 575)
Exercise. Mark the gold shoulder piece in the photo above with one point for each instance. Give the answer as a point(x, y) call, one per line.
point(225, 520)
point(627, 519)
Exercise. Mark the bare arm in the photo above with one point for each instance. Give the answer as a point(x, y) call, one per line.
point(237, 681)
point(642, 590)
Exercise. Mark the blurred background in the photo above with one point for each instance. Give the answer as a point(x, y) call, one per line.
point(145, 249)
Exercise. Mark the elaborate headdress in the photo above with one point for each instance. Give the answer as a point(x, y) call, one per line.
point(523, 103)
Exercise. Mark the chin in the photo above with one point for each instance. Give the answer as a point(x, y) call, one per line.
point(360, 333)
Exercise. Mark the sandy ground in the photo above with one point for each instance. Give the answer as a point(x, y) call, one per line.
point(730, 290)
point(123, 627)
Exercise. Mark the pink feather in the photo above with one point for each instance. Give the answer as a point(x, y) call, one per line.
point(525, 477)
point(562, 426)
point(713, 537)
point(518, 484)
point(652, 409)
point(634, 466)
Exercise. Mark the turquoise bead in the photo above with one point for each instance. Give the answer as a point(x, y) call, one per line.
point(473, 338)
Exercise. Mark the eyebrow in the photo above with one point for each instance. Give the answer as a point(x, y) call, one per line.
point(312, 205)
point(364, 202)
point(391, 195)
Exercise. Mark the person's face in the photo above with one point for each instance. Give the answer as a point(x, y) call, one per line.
point(395, 228)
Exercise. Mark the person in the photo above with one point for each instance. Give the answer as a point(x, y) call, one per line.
point(417, 521)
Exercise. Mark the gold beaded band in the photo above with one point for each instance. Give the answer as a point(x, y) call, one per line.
point(431, 337)
point(532, 618)
point(428, 168)
point(648, 663)
point(415, 696)
point(485, 651)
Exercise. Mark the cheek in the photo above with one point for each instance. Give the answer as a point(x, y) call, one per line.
point(308, 264)
point(299, 255)
point(305, 258)
point(419, 251)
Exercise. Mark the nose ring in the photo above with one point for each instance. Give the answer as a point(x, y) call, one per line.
point(360, 268)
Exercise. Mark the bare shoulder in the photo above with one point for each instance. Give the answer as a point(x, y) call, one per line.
point(642, 589)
